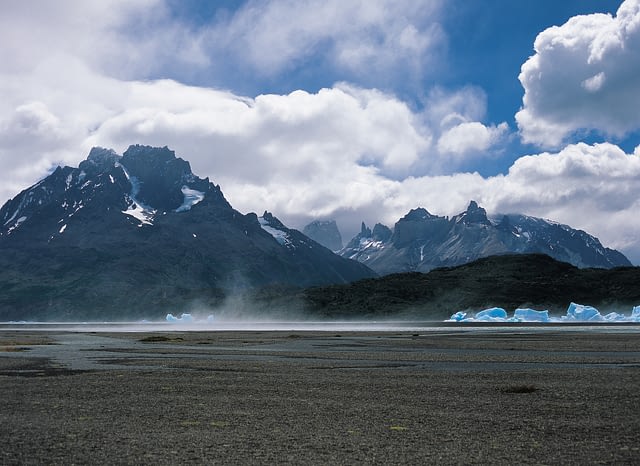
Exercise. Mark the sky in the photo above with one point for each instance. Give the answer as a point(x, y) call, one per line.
point(353, 110)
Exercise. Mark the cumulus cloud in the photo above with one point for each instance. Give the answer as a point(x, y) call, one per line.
point(583, 77)
point(469, 137)
point(455, 120)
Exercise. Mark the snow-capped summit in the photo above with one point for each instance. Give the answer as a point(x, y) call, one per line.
point(422, 241)
point(140, 230)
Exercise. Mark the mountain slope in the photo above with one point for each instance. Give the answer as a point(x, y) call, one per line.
point(140, 235)
point(421, 242)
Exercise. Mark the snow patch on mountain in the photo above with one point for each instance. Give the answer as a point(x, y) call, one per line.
point(16, 225)
point(367, 245)
point(191, 198)
point(279, 235)
point(144, 214)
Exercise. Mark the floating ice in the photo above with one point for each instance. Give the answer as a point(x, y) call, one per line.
point(184, 318)
point(458, 316)
point(530, 315)
point(583, 313)
point(575, 313)
point(492, 314)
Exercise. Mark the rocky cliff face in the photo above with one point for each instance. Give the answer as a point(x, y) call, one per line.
point(141, 235)
point(421, 242)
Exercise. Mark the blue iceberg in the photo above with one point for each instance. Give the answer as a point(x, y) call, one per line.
point(582, 313)
point(184, 318)
point(493, 314)
point(575, 313)
point(530, 315)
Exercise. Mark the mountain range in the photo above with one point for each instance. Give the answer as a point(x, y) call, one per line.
point(140, 235)
point(421, 241)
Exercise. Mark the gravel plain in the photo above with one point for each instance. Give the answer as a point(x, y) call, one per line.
point(516, 396)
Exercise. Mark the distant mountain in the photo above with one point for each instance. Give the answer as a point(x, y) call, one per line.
point(421, 242)
point(324, 232)
point(141, 235)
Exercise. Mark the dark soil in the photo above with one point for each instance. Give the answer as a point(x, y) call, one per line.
point(447, 397)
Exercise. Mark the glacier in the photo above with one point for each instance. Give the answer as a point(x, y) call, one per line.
point(575, 313)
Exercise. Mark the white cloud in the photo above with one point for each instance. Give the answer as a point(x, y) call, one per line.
point(583, 76)
point(110, 36)
point(470, 137)
point(356, 36)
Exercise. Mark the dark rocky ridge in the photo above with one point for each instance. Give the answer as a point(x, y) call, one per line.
point(138, 236)
point(507, 281)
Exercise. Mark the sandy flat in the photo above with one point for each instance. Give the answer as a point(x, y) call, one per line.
point(536, 396)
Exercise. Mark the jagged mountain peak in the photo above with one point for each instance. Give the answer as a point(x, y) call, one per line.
point(148, 161)
point(161, 176)
point(421, 242)
point(365, 231)
point(418, 214)
point(381, 232)
point(269, 219)
point(100, 160)
point(473, 215)
point(138, 187)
